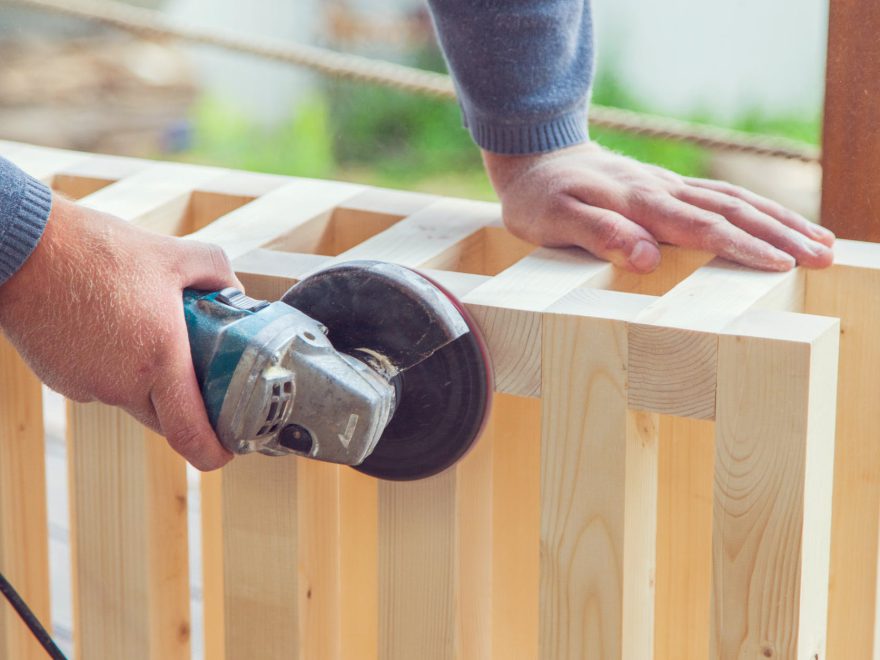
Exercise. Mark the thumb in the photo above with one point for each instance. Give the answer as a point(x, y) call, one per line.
point(177, 399)
point(205, 266)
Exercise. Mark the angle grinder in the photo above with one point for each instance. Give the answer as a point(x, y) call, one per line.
point(366, 364)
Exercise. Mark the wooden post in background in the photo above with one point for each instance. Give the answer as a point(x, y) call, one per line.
point(851, 208)
point(851, 135)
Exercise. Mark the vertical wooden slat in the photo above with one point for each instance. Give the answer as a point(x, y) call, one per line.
point(23, 517)
point(598, 490)
point(309, 539)
point(474, 548)
point(359, 566)
point(213, 589)
point(684, 523)
point(416, 568)
point(704, 301)
point(260, 571)
point(24, 542)
point(851, 132)
point(422, 572)
point(850, 290)
point(127, 487)
point(516, 523)
point(773, 470)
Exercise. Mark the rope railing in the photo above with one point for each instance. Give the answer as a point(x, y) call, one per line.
point(155, 25)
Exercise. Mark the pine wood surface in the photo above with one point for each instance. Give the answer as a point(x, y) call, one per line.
point(655, 479)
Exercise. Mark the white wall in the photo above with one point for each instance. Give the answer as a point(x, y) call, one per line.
point(263, 89)
point(720, 56)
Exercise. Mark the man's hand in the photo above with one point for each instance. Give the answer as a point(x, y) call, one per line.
point(97, 312)
point(618, 209)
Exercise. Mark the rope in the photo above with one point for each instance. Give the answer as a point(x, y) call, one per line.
point(153, 24)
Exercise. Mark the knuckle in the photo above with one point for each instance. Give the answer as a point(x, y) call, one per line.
point(218, 258)
point(733, 206)
point(186, 441)
point(609, 234)
point(642, 195)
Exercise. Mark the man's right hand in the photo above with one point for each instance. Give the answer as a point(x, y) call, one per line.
point(97, 313)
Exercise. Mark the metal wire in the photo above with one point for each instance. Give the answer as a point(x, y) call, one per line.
point(30, 619)
point(153, 24)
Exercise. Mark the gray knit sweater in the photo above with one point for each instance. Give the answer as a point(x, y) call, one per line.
point(522, 68)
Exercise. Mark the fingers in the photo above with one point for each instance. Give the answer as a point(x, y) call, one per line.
point(206, 266)
point(752, 220)
point(608, 235)
point(177, 400)
point(777, 211)
point(680, 223)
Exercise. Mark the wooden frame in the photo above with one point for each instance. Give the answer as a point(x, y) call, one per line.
point(587, 522)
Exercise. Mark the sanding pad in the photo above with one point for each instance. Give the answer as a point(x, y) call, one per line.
point(445, 381)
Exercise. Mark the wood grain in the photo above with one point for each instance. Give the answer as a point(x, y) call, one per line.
point(673, 343)
point(851, 290)
point(24, 541)
point(145, 604)
point(774, 441)
point(598, 494)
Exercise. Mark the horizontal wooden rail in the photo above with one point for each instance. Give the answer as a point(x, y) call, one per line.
point(655, 479)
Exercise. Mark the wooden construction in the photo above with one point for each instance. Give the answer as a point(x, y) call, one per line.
point(655, 482)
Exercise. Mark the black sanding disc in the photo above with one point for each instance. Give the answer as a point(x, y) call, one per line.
point(444, 398)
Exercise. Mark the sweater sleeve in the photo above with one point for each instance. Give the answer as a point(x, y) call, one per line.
point(24, 209)
point(522, 68)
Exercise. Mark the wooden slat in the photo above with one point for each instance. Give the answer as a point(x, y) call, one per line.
point(43, 163)
point(130, 551)
point(23, 517)
point(274, 215)
point(673, 344)
point(598, 486)
point(82, 178)
point(850, 290)
point(774, 440)
point(697, 308)
point(508, 308)
point(313, 536)
point(420, 564)
point(24, 543)
point(516, 524)
point(260, 576)
point(684, 538)
point(851, 132)
point(156, 198)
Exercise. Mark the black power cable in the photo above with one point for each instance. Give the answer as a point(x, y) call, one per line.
point(30, 620)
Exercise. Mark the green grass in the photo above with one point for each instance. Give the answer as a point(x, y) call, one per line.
point(388, 138)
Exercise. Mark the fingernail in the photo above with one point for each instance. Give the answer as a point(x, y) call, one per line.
point(644, 257)
point(818, 250)
point(814, 248)
point(821, 233)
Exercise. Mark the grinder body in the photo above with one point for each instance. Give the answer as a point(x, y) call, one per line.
point(273, 383)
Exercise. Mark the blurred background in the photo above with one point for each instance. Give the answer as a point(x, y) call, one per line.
point(753, 65)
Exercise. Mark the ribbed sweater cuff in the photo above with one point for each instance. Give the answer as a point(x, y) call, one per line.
point(529, 138)
point(27, 206)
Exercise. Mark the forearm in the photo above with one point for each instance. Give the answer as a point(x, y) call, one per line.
point(25, 204)
point(522, 70)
